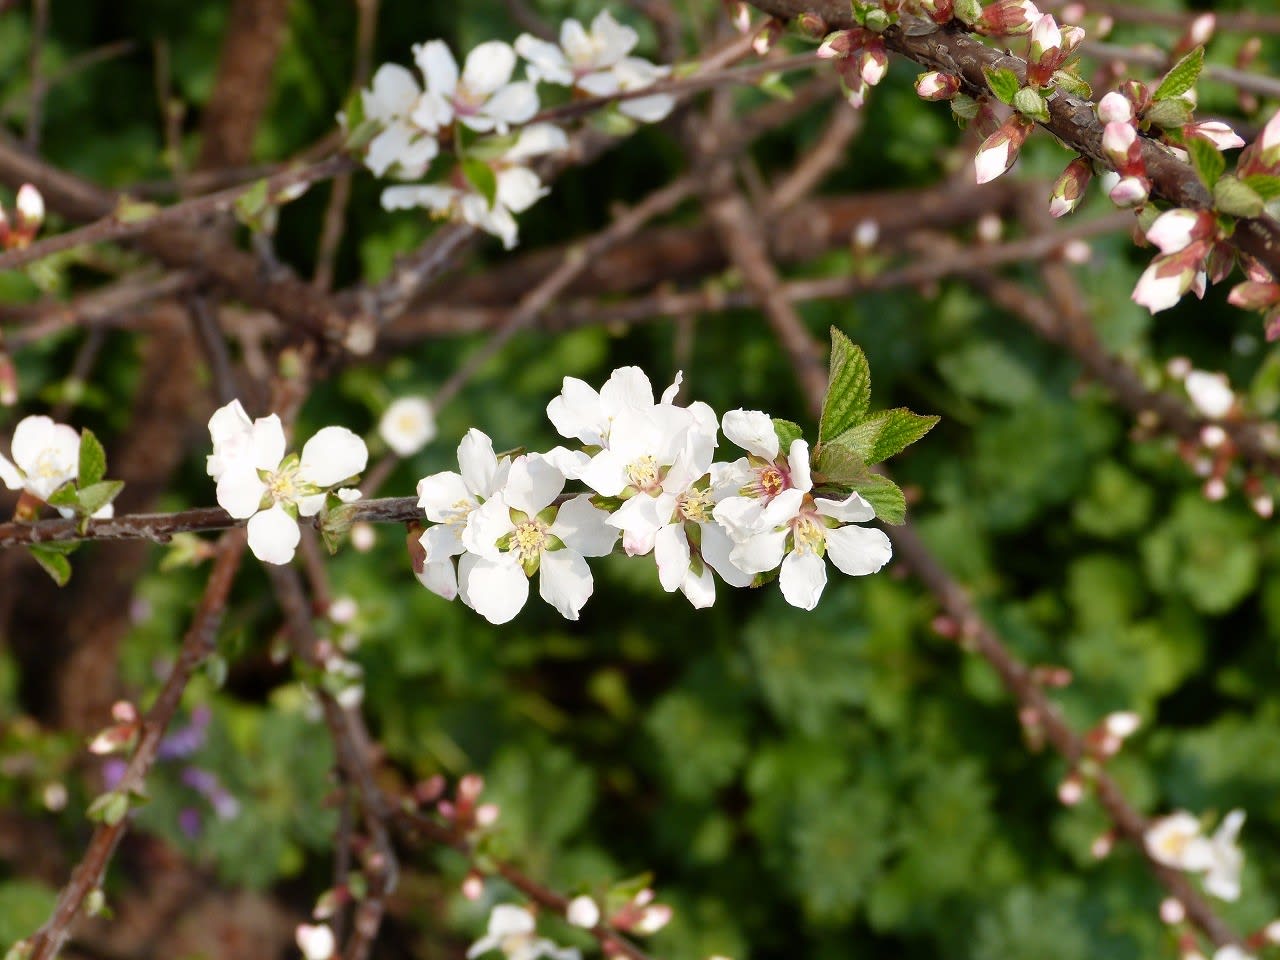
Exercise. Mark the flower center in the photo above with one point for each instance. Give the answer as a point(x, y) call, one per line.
point(643, 473)
point(808, 533)
point(283, 485)
point(47, 466)
point(459, 510)
point(695, 505)
point(529, 539)
point(770, 481)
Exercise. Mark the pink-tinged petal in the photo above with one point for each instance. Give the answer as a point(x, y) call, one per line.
point(584, 528)
point(1216, 132)
point(1159, 288)
point(513, 105)
point(858, 551)
point(798, 460)
point(626, 387)
point(440, 578)
point(533, 483)
point(638, 515)
point(753, 431)
point(240, 491)
point(671, 552)
point(1115, 108)
point(716, 548)
point(1174, 230)
point(802, 579)
point(438, 67)
point(273, 535)
point(440, 494)
point(578, 412)
point(853, 509)
point(331, 456)
point(497, 589)
point(760, 553)
point(10, 474)
point(486, 525)
point(699, 589)
point(441, 542)
point(564, 581)
point(488, 68)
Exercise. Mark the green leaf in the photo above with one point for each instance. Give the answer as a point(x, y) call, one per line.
point(64, 496)
point(839, 464)
point(481, 176)
point(788, 433)
point(886, 433)
point(1264, 185)
point(1030, 102)
point(776, 87)
point(1003, 82)
point(1207, 159)
point(96, 496)
point(1072, 83)
point(129, 210)
point(93, 459)
point(1234, 197)
point(53, 561)
point(1182, 77)
point(252, 207)
point(110, 808)
point(849, 388)
point(1169, 114)
point(885, 495)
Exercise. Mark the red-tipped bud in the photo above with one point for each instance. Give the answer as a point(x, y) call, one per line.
point(873, 62)
point(1008, 18)
point(1068, 189)
point(1175, 230)
point(998, 151)
point(841, 44)
point(937, 86)
point(1254, 295)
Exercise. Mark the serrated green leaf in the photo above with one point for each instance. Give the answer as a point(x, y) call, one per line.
point(1232, 196)
point(886, 433)
point(788, 433)
point(1030, 102)
point(1182, 76)
point(93, 459)
point(481, 176)
point(64, 496)
point(1003, 82)
point(1264, 185)
point(96, 496)
point(839, 464)
point(54, 563)
point(1207, 159)
point(848, 388)
point(885, 495)
point(1072, 83)
point(1169, 114)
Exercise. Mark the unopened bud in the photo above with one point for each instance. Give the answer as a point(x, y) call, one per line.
point(935, 85)
point(1172, 911)
point(30, 210)
point(811, 25)
point(1130, 192)
point(1071, 790)
point(1077, 252)
point(1008, 18)
point(1000, 150)
point(1122, 724)
point(989, 228)
point(470, 787)
point(363, 537)
point(582, 912)
point(865, 235)
point(1212, 436)
point(1069, 188)
point(1263, 505)
point(1215, 489)
point(487, 814)
point(1102, 845)
point(1201, 30)
point(767, 36)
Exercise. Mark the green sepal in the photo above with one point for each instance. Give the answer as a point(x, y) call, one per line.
point(1182, 76)
point(848, 389)
point(93, 459)
point(1171, 113)
point(1031, 103)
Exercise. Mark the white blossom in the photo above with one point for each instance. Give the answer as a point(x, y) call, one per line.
point(407, 425)
point(582, 912)
point(1175, 841)
point(1222, 879)
point(482, 97)
point(255, 480)
point(1210, 393)
point(400, 143)
point(580, 53)
point(512, 930)
point(45, 456)
point(519, 531)
point(316, 941)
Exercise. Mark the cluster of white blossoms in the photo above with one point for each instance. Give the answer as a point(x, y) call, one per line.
point(258, 482)
point(649, 477)
point(470, 114)
point(1177, 841)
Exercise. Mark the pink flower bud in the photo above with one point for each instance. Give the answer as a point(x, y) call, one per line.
point(1212, 436)
point(1254, 295)
point(998, 151)
point(473, 886)
point(470, 787)
point(837, 45)
point(874, 62)
point(1115, 108)
point(1102, 845)
point(30, 207)
point(1201, 30)
point(1071, 790)
point(1117, 138)
point(1068, 189)
point(1216, 132)
point(937, 86)
point(1046, 38)
point(1077, 251)
point(1130, 192)
point(1215, 489)
point(939, 11)
point(487, 814)
point(1008, 17)
point(1163, 283)
point(1175, 230)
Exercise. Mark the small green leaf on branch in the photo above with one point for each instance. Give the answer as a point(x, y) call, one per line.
point(1030, 102)
point(110, 808)
point(1234, 197)
point(481, 176)
point(884, 434)
point(97, 495)
point(53, 561)
point(1003, 82)
point(93, 459)
point(1207, 159)
point(788, 433)
point(1182, 76)
point(848, 389)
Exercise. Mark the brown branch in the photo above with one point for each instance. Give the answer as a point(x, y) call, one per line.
point(1074, 121)
point(196, 647)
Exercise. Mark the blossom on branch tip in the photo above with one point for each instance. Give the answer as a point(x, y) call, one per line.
point(1008, 17)
point(1210, 393)
point(256, 481)
point(512, 930)
point(45, 456)
point(1175, 841)
point(1222, 879)
point(580, 53)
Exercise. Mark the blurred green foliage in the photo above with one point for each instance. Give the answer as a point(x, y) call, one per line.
point(837, 784)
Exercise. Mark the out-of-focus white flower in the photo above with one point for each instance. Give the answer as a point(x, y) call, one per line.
point(401, 143)
point(1176, 841)
point(257, 481)
point(580, 53)
point(1210, 393)
point(482, 97)
point(1222, 879)
point(520, 531)
point(45, 456)
point(316, 941)
point(1232, 952)
point(448, 499)
point(407, 425)
point(512, 930)
point(517, 188)
point(583, 912)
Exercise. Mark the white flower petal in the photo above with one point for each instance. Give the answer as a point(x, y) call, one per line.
point(538, 140)
point(564, 581)
point(858, 551)
point(648, 109)
point(798, 460)
point(273, 535)
point(268, 443)
point(513, 105)
point(31, 438)
point(803, 577)
point(438, 67)
point(331, 456)
point(10, 474)
point(605, 473)
point(240, 491)
point(497, 590)
point(519, 189)
point(753, 431)
point(699, 589)
point(228, 421)
point(853, 509)
point(547, 62)
point(760, 553)
point(441, 493)
point(716, 548)
point(584, 528)
point(392, 94)
point(486, 525)
point(613, 39)
point(626, 387)
point(441, 541)
point(533, 484)
point(440, 578)
point(671, 552)
point(429, 196)
point(488, 68)
point(578, 412)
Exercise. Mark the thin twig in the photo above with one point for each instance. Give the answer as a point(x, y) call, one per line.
point(35, 97)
